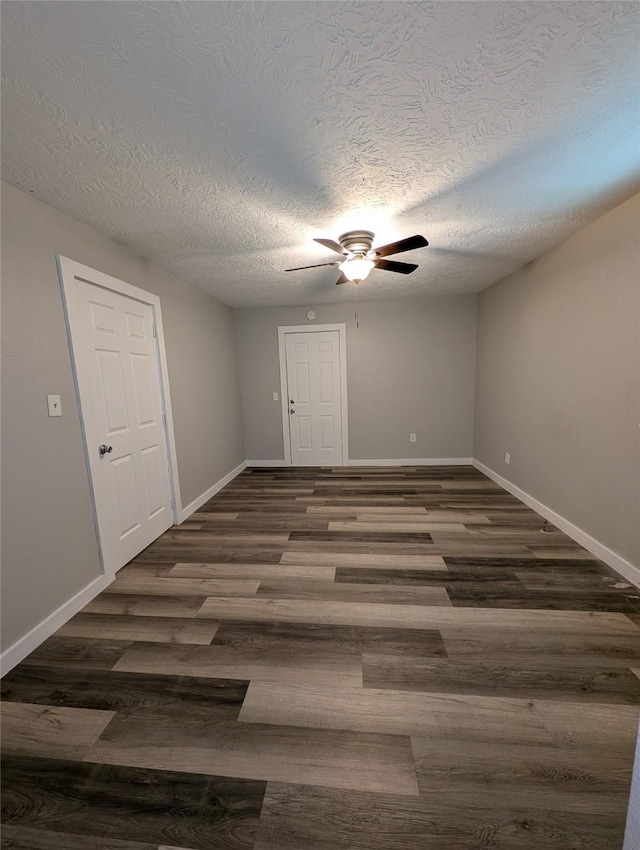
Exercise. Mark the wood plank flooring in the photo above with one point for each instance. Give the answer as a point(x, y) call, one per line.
point(335, 659)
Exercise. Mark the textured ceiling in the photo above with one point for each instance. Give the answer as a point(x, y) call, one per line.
point(218, 139)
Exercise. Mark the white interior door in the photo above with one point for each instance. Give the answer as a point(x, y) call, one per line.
point(118, 379)
point(314, 398)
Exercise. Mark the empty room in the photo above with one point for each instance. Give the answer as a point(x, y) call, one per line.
point(320, 425)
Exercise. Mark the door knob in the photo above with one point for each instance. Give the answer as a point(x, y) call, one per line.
point(291, 401)
point(291, 410)
point(104, 450)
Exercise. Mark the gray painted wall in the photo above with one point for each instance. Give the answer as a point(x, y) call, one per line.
point(557, 379)
point(48, 541)
point(410, 368)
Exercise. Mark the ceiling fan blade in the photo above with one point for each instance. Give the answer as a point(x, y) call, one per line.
point(316, 266)
point(342, 279)
point(329, 243)
point(407, 244)
point(391, 266)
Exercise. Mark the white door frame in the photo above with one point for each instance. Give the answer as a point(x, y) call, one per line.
point(284, 397)
point(68, 272)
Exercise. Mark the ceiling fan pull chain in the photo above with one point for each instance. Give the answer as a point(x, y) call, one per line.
point(355, 311)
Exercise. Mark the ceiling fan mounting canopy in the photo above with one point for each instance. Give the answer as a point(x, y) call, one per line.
point(356, 241)
point(359, 257)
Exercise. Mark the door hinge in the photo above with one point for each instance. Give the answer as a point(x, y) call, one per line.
point(173, 504)
point(155, 332)
point(164, 421)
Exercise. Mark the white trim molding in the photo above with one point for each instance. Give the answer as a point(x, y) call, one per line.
point(413, 461)
point(265, 463)
point(283, 330)
point(402, 461)
point(203, 498)
point(625, 568)
point(32, 640)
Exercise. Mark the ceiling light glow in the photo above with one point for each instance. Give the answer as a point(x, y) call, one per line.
point(356, 268)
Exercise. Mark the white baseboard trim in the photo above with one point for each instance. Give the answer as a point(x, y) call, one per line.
point(413, 461)
point(625, 568)
point(261, 463)
point(210, 493)
point(32, 640)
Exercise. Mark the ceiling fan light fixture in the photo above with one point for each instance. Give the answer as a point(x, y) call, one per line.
point(357, 268)
point(358, 257)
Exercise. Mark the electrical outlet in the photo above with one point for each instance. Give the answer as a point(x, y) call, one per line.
point(507, 458)
point(275, 396)
point(412, 438)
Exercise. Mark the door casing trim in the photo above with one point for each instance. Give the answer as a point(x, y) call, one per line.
point(283, 330)
point(68, 272)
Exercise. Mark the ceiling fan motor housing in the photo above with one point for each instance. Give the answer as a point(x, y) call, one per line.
point(357, 241)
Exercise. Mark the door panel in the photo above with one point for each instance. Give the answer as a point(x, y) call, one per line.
point(304, 433)
point(126, 494)
point(326, 383)
point(111, 392)
point(104, 318)
point(143, 385)
point(327, 432)
point(313, 386)
point(300, 390)
point(135, 326)
point(153, 480)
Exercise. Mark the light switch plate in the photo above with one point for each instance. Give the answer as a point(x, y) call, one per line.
point(275, 396)
point(54, 406)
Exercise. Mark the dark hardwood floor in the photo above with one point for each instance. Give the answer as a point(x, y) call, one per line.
point(335, 659)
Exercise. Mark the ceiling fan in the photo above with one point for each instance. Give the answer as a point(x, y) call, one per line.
point(360, 257)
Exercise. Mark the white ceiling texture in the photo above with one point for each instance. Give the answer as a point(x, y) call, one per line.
point(218, 138)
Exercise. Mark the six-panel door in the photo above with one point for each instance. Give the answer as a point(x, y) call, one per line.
point(313, 385)
point(119, 382)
